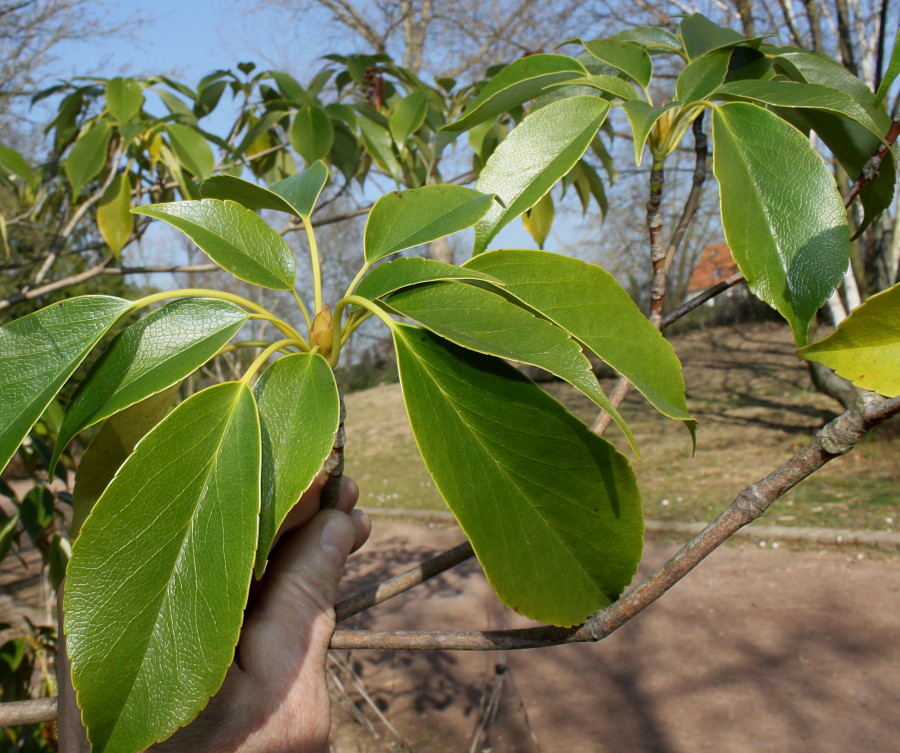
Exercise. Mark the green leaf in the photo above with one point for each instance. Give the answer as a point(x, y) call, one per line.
point(302, 190)
point(865, 348)
point(151, 627)
point(539, 219)
point(113, 216)
point(152, 354)
point(413, 270)
point(39, 352)
point(124, 98)
point(516, 84)
point(408, 116)
point(311, 133)
point(404, 219)
point(890, 75)
point(88, 156)
point(236, 239)
point(784, 219)
point(702, 76)
point(487, 323)
point(627, 57)
point(36, 512)
point(536, 154)
point(16, 164)
point(588, 303)
point(8, 528)
point(299, 410)
point(612, 84)
point(701, 36)
point(192, 149)
point(552, 510)
point(58, 556)
point(793, 94)
point(248, 195)
point(642, 118)
point(378, 143)
point(650, 38)
point(110, 447)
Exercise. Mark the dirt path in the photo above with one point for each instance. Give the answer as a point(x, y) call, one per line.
point(758, 650)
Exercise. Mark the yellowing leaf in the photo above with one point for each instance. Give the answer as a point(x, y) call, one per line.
point(865, 348)
point(113, 218)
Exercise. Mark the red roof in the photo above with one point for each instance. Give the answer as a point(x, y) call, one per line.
point(715, 264)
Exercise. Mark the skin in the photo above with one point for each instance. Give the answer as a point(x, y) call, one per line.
point(274, 698)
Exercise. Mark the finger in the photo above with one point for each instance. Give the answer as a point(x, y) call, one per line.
point(288, 629)
point(363, 526)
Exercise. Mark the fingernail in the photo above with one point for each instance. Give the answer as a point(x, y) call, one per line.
point(337, 538)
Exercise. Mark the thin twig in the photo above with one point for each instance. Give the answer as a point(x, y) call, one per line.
point(836, 438)
point(391, 587)
point(701, 298)
point(870, 169)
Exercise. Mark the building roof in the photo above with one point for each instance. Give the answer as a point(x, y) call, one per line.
point(715, 264)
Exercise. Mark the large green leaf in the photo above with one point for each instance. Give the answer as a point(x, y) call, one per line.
point(295, 195)
point(485, 322)
point(404, 219)
point(39, 352)
point(299, 410)
point(378, 141)
point(109, 449)
point(192, 149)
point(784, 219)
point(113, 216)
point(413, 270)
point(160, 573)
point(806, 96)
point(311, 133)
point(123, 98)
point(700, 77)
point(88, 156)
point(409, 115)
point(701, 36)
point(235, 238)
point(154, 353)
point(593, 308)
point(627, 57)
point(536, 154)
point(552, 510)
point(517, 83)
point(865, 348)
point(611, 84)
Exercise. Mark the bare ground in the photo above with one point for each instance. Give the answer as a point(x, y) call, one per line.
point(757, 650)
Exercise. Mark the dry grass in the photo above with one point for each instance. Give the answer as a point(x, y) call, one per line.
point(755, 406)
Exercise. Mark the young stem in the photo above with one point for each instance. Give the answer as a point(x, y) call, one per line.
point(264, 356)
point(303, 309)
point(338, 339)
point(316, 266)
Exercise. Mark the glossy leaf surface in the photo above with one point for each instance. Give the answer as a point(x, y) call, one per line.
point(299, 411)
point(485, 322)
point(109, 449)
point(114, 219)
point(700, 77)
point(151, 627)
point(158, 351)
point(865, 348)
point(39, 352)
point(408, 116)
point(302, 190)
point(536, 154)
point(784, 219)
point(88, 156)
point(701, 36)
point(552, 510)
point(517, 83)
point(610, 84)
point(235, 238)
point(404, 219)
point(626, 57)
point(642, 118)
point(123, 98)
point(192, 149)
point(794, 94)
point(413, 270)
point(594, 309)
point(311, 133)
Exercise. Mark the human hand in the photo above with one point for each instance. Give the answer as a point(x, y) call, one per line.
point(274, 697)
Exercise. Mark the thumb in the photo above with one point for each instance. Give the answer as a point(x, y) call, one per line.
point(289, 627)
